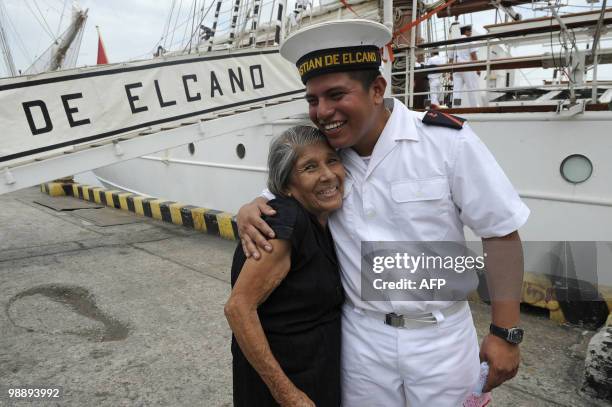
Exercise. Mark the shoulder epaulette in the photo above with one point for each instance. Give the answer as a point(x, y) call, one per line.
point(438, 118)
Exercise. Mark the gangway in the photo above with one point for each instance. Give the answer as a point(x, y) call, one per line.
point(22, 173)
point(58, 124)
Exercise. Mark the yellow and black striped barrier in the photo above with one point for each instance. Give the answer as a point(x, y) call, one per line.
point(209, 221)
point(538, 290)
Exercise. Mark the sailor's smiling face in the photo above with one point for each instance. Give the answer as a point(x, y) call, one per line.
point(344, 111)
point(317, 179)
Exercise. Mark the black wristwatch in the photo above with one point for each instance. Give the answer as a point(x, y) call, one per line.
point(510, 335)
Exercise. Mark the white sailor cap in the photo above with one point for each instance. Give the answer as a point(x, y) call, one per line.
point(336, 46)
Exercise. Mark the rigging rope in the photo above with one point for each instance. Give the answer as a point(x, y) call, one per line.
point(49, 33)
point(20, 42)
point(189, 18)
point(166, 32)
point(598, 28)
point(204, 14)
point(195, 3)
point(44, 20)
point(176, 21)
point(59, 25)
point(167, 25)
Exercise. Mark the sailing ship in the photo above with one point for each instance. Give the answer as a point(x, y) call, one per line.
point(551, 139)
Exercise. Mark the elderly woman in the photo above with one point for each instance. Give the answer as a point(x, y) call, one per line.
point(284, 308)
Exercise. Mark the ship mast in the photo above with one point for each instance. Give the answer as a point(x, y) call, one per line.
point(78, 20)
point(6, 50)
point(63, 52)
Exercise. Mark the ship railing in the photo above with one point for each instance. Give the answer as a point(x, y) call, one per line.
point(500, 91)
point(532, 31)
point(265, 31)
point(549, 88)
point(584, 58)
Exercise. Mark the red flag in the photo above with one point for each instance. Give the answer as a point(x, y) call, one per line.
point(102, 59)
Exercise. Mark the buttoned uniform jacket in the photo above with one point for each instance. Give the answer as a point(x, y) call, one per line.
point(435, 60)
point(464, 54)
point(423, 183)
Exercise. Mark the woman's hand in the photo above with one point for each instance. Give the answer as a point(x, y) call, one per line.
point(252, 229)
point(296, 398)
point(257, 280)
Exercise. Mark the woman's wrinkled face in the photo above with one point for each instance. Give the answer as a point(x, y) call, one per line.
point(317, 179)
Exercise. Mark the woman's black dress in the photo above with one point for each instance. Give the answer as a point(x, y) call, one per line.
point(301, 318)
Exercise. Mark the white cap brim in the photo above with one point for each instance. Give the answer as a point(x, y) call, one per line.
point(334, 34)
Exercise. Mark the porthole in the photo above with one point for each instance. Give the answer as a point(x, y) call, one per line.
point(191, 148)
point(240, 151)
point(576, 168)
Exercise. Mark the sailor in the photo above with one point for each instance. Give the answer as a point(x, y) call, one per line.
point(465, 83)
point(411, 177)
point(205, 32)
point(302, 5)
point(436, 93)
point(299, 8)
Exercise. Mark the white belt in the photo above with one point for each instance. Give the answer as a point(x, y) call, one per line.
point(410, 321)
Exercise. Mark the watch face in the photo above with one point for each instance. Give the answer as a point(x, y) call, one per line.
point(515, 335)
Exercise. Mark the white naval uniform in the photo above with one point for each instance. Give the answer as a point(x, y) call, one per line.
point(465, 81)
point(435, 80)
point(422, 183)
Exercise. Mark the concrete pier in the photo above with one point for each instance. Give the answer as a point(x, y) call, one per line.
point(131, 314)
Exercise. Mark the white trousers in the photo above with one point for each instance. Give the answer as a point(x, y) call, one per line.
point(435, 91)
point(463, 82)
point(382, 366)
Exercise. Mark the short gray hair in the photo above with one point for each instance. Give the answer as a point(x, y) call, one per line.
point(284, 153)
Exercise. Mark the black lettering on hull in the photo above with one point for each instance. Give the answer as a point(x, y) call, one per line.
point(134, 98)
point(160, 98)
point(70, 110)
point(258, 81)
point(190, 98)
point(214, 85)
point(236, 80)
point(27, 107)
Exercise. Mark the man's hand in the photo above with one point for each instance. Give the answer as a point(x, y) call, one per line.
point(253, 229)
point(504, 266)
point(503, 359)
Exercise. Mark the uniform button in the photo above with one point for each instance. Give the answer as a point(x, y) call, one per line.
point(370, 213)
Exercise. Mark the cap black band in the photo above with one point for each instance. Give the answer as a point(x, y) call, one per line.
point(338, 60)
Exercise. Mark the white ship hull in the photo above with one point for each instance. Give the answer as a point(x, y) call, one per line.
point(530, 147)
point(213, 177)
point(142, 98)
